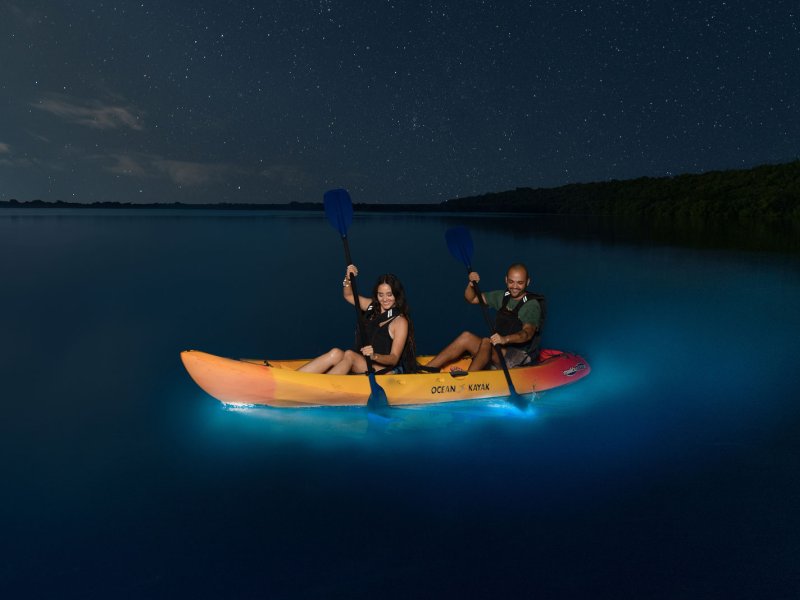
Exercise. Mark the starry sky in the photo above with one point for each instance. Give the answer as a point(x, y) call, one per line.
point(410, 102)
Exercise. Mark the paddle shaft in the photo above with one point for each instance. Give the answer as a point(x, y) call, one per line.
point(459, 242)
point(497, 349)
point(362, 334)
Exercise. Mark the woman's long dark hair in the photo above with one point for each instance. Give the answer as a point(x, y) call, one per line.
point(409, 358)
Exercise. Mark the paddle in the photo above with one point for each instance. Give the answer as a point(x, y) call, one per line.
point(459, 242)
point(339, 211)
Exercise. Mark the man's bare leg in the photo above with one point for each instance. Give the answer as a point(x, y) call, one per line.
point(466, 342)
point(481, 358)
point(495, 360)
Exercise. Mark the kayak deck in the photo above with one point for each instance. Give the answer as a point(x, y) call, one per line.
point(277, 382)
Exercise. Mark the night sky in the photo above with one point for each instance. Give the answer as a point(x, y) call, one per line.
point(201, 101)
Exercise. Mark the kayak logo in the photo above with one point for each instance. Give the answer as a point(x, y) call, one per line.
point(471, 387)
point(442, 389)
point(573, 370)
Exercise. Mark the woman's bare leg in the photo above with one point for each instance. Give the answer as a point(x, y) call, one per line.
point(324, 362)
point(351, 362)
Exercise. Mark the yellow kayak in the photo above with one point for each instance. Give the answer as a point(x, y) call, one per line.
point(278, 383)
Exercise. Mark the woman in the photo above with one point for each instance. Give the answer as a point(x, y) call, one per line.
point(388, 331)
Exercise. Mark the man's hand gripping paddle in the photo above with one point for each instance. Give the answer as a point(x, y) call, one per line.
point(459, 242)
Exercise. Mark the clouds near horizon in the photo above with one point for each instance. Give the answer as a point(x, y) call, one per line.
point(90, 113)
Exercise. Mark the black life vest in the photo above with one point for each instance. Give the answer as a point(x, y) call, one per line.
point(507, 320)
point(376, 330)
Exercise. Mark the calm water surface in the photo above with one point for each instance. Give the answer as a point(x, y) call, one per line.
point(670, 472)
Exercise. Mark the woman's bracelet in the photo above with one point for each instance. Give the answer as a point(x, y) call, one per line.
point(345, 282)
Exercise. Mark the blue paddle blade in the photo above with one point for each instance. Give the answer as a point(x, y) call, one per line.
point(459, 242)
point(339, 209)
point(377, 397)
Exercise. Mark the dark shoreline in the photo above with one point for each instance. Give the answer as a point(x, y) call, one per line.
point(767, 192)
point(292, 206)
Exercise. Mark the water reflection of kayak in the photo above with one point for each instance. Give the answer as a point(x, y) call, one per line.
point(278, 383)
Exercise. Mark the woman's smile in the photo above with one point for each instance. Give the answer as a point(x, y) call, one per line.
point(385, 297)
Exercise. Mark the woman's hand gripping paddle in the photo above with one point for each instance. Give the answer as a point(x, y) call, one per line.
point(339, 211)
point(459, 242)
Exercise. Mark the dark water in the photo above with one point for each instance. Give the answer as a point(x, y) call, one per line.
point(671, 472)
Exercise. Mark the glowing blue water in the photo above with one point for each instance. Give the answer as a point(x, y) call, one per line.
point(670, 472)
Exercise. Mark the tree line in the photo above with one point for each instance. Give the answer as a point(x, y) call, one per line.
point(768, 192)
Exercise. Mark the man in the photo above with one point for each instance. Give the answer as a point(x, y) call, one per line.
point(518, 320)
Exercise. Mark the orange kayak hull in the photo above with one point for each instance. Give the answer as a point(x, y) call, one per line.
point(277, 383)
